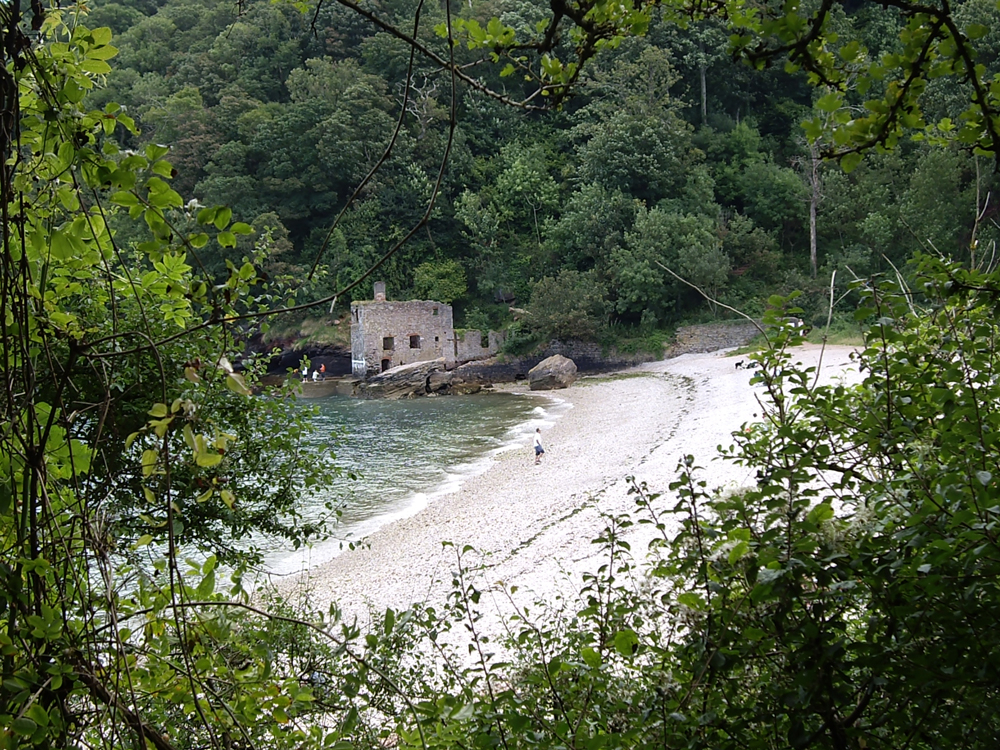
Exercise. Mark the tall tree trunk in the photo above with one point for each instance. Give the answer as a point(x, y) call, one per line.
point(704, 91)
point(814, 198)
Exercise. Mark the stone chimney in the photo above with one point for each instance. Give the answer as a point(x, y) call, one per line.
point(380, 291)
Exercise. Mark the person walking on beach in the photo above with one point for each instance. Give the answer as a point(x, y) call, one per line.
point(539, 450)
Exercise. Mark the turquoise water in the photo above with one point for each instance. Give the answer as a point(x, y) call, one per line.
point(406, 454)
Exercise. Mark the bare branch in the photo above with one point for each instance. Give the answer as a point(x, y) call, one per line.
point(715, 301)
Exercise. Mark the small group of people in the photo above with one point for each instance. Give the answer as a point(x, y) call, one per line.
point(317, 375)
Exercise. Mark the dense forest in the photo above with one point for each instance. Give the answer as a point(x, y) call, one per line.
point(670, 154)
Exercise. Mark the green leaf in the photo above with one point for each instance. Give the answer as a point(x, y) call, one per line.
point(207, 585)
point(62, 248)
point(156, 151)
point(464, 713)
point(163, 168)
point(829, 103)
point(222, 218)
point(149, 459)
point(820, 513)
point(691, 600)
point(23, 726)
point(848, 162)
point(976, 31)
point(207, 215)
point(38, 714)
point(236, 384)
point(14, 684)
point(737, 552)
point(97, 67)
point(101, 36)
point(226, 239)
point(626, 642)
point(72, 91)
point(208, 460)
point(591, 657)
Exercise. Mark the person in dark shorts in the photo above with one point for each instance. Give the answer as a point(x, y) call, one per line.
point(539, 450)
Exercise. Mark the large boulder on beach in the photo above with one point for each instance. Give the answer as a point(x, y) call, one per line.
point(555, 372)
point(405, 381)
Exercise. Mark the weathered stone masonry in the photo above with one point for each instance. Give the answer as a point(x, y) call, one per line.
point(389, 334)
point(472, 345)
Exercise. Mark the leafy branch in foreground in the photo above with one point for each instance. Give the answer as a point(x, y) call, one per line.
point(119, 459)
point(870, 101)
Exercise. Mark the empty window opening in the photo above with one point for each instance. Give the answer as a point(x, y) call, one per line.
point(414, 342)
point(484, 340)
point(355, 316)
point(434, 311)
point(435, 339)
point(386, 364)
point(388, 343)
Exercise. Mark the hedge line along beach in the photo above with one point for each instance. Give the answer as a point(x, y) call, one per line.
point(532, 526)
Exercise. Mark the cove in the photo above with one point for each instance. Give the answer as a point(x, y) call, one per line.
point(398, 456)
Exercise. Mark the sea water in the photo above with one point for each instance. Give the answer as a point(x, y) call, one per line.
point(405, 455)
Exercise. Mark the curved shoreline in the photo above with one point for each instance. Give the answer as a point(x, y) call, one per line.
point(532, 526)
point(447, 476)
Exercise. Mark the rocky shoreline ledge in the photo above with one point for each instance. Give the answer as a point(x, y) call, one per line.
point(433, 378)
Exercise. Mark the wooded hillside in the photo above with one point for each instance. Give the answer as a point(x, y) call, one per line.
point(670, 153)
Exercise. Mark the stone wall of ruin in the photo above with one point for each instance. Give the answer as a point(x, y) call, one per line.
point(428, 324)
point(469, 345)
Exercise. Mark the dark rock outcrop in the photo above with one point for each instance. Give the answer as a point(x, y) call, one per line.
point(554, 372)
point(456, 382)
point(406, 381)
point(588, 357)
point(336, 358)
point(287, 354)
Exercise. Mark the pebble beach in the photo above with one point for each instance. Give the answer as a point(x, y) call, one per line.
point(531, 527)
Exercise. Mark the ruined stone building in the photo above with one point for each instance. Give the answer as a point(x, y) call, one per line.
point(387, 334)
